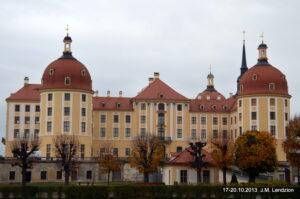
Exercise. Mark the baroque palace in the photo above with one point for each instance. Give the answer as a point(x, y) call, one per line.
point(65, 103)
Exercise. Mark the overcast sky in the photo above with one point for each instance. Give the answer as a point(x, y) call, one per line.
point(122, 42)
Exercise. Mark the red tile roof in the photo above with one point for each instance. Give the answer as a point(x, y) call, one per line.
point(29, 92)
point(158, 90)
point(186, 158)
point(112, 103)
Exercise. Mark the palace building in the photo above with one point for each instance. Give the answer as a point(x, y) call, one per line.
point(65, 102)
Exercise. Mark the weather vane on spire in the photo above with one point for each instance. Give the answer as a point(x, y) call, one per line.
point(209, 68)
point(67, 30)
point(262, 37)
point(244, 32)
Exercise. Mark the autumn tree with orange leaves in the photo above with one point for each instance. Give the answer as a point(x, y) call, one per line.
point(147, 152)
point(222, 154)
point(291, 145)
point(255, 153)
point(108, 161)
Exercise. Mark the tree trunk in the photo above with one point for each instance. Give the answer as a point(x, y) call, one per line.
point(298, 175)
point(146, 177)
point(67, 176)
point(108, 177)
point(23, 176)
point(224, 175)
point(199, 175)
point(252, 177)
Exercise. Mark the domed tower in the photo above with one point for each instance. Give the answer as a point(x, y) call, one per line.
point(263, 100)
point(66, 102)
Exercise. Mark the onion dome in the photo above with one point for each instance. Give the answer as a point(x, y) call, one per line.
point(263, 78)
point(66, 72)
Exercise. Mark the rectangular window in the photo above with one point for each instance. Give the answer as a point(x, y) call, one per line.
point(225, 134)
point(50, 96)
point(66, 126)
point(194, 120)
point(36, 133)
point(143, 119)
point(285, 103)
point(115, 151)
point(272, 115)
point(194, 133)
point(67, 111)
point(240, 103)
point(286, 116)
point(83, 127)
point(203, 120)
point(231, 120)
point(26, 133)
point(116, 118)
point(179, 149)
point(82, 149)
point(83, 112)
point(49, 111)
point(17, 120)
point(215, 121)
point(241, 130)
point(183, 176)
point(48, 148)
point(37, 120)
point(253, 128)
point(49, 126)
point(240, 116)
point(83, 97)
point(203, 133)
point(253, 102)
point(253, 116)
point(102, 150)
point(273, 130)
point(179, 107)
point(127, 132)
point(37, 108)
point(116, 132)
point(179, 133)
point(235, 119)
point(272, 101)
point(102, 132)
point(127, 119)
point(89, 175)
point(16, 133)
point(27, 120)
point(127, 151)
point(43, 175)
point(58, 175)
point(17, 108)
point(143, 106)
point(179, 120)
point(67, 96)
point(12, 175)
point(224, 120)
point(27, 108)
point(143, 132)
point(215, 133)
point(102, 118)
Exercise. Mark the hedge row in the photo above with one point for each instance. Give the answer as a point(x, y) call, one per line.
point(133, 192)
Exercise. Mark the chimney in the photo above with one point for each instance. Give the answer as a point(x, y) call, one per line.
point(108, 93)
point(230, 94)
point(150, 80)
point(96, 93)
point(120, 93)
point(156, 75)
point(26, 81)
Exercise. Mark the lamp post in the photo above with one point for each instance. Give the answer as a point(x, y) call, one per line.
point(198, 163)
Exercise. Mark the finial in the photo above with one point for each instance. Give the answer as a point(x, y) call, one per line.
point(67, 30)
point(262, 37)
point(244, 32)
point(209, 68)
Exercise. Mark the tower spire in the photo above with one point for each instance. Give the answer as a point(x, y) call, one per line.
point(244, 67)
point(67, 53)
point(210, 81)
point(262, 53)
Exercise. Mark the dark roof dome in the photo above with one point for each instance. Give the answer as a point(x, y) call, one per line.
point(67, 72)
point(264, 79)
point(262, 45)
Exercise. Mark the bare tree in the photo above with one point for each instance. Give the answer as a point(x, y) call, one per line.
point(147, 153)
point(66, 147)
point(23, 150)
point(108, 161)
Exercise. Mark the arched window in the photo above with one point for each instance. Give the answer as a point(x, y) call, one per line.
point(67, 81)
point(254, 77)
point(201, 107)
point(83, 72)
point(51, 71)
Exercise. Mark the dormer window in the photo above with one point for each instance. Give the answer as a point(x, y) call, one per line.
point(83, 72)
point(254, 77)
point(102, 104)
point(225, 108)
point(199, 97)
point(51, 71)
point(118, 105)
point(161, 95)
point(283, 76)
point(67, 81)
point(271, 86)
point(201, 107)
point(208, 97)
point(219, 97)
point(213, 107)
